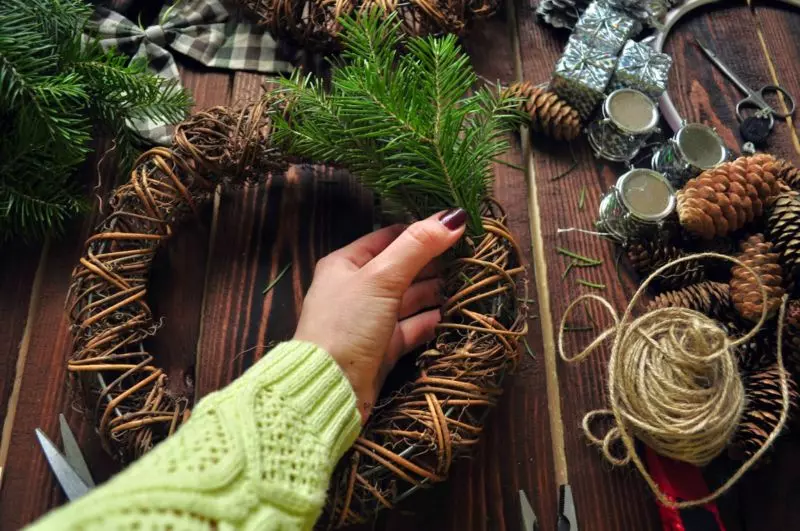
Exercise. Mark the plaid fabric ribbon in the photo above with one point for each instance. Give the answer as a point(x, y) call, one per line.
point(204, 30)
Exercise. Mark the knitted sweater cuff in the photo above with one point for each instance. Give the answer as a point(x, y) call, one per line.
point(312, 382)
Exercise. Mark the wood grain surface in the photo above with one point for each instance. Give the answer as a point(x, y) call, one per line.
point(208, 285)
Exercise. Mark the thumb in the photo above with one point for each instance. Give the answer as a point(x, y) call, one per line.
point(418, 245)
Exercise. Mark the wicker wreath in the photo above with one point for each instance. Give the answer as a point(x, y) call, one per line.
point(313, 24)
point(412, 437)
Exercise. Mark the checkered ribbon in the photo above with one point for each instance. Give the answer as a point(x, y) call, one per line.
point(204, 30)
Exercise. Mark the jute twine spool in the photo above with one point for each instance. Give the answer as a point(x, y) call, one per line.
point(673, 382)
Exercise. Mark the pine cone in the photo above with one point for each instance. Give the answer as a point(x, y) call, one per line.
point(791, 337)
point(764, 407)
point(647, 256)
point(549, 114)
point(745, 293)
point(756, 354)
point(789, 174)
point(726, 197)
point(561, 13)
point(783, 225)
point(710, 298)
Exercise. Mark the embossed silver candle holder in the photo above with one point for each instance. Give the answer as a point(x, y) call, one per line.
point(640, 204)
point(629, 118)
point(694, 149)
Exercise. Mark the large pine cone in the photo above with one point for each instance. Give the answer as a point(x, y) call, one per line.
point(745, 293)
point(549, 114)
point(648, 255)
point(764, 407)
point(726, 197)
point(789, 174)
point(783, 226)
point(709, 298)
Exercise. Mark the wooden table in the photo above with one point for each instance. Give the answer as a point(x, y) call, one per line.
point(208, 285)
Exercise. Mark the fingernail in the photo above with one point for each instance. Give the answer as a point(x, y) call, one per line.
point(454, 219)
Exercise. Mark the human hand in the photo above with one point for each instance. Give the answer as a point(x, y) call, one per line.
point(371, 301)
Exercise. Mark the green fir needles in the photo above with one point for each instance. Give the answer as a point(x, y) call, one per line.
point(57, 88)
point(407, 124)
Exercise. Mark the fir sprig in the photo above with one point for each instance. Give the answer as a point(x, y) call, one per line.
point(58, 89)
point(409, 125)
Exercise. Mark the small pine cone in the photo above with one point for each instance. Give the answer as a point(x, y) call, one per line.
point(710, 298)
point(725, 198)
point(561, 13)
point(646, 256)
point(549, 114)
point(783, 226)
point(791, 337)
point(762, 413)
point(745, 293)
point(789, 174)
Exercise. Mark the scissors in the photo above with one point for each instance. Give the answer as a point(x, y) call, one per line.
point(70, 468)
point(567, 519)
point(755, 98)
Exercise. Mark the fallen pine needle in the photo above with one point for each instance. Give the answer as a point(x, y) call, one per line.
point(582, 198)
point(528, 348)
point(577, 256)
point(277, 278)
point(588, 284)
point(567, 270)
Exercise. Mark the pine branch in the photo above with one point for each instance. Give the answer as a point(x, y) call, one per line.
point(408, 126)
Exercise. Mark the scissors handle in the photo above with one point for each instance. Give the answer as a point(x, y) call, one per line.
point(757, 99)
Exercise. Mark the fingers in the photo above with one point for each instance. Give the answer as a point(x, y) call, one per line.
point(364, 249)
point(431, 270)
point(417, 246)
point(411, 333)
point(420, 295)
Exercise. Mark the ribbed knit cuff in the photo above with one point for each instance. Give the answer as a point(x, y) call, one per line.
point(305, 375)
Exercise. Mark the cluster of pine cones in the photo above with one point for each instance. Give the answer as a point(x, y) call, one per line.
point(748, 208)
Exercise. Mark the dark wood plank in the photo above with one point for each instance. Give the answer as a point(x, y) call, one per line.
point(293, 218)
point(18, 267)
point(605, 499)
point(178, 276)
point(778, 23)
point(28, 488)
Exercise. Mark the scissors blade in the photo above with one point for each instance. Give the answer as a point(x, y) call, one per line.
point(70, 481)
point(73, 452)
point(725, 69)
point(567, 519)
point(529, 521)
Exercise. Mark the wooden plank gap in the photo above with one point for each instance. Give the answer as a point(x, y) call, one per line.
point(212, 239)
point(539, 261)
point(22, 356)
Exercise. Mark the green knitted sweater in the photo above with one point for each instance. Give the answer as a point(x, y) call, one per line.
point(256, 455)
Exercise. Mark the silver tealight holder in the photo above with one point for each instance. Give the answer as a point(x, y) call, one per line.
point(694, 149)
point(638, 205)
point(629, 118)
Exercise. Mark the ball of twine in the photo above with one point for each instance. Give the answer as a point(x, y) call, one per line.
point(673, 382)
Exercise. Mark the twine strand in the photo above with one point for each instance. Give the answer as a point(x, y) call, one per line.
point(673, 382)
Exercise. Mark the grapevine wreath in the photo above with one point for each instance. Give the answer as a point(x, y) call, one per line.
point(422, 146)
point(315, 24)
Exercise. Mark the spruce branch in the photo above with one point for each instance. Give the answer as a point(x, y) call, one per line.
point(408, 125)
point(58, 89)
